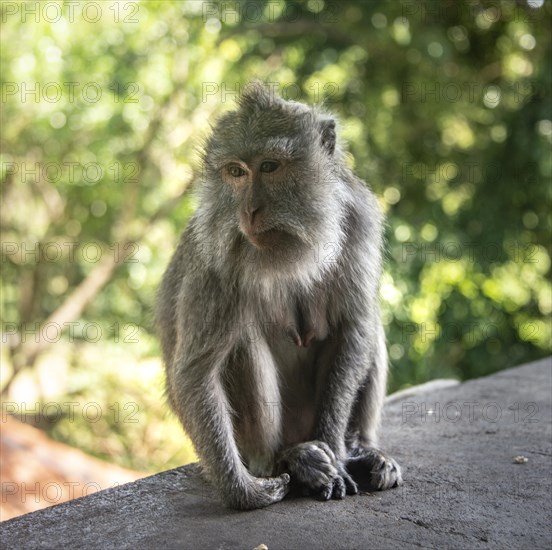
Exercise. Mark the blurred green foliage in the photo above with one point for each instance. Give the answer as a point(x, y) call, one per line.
point(445, 106)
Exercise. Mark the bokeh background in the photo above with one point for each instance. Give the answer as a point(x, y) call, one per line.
point(445, 106)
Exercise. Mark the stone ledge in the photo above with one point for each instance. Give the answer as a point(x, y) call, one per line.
point(462, 488)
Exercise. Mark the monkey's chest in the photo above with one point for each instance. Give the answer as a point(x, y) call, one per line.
point(303, 320)
point(296, 333)
point(297, 374)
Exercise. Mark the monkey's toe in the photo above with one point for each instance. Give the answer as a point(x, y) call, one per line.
point(339, 488)
point(373, 470)
point(351, 488)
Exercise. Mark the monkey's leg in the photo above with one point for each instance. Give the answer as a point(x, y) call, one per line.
point(319, 465)
point(199, 399)
point(370, 467)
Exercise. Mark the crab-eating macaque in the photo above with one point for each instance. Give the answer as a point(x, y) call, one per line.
point(268, 313)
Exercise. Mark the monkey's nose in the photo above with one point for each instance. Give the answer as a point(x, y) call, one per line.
point(253, 214)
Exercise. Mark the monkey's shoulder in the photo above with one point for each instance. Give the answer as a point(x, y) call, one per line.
point(192, 283)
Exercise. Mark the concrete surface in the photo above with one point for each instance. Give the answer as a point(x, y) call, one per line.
point(462, 487)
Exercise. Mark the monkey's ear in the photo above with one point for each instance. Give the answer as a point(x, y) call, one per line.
point(327, 135)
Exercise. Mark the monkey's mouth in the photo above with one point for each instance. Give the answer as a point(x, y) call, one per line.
point(265, 238)
point(271, 239)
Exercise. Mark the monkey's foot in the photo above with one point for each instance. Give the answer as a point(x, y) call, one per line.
point(258, 492)
point(314, 468)
point(373, 470)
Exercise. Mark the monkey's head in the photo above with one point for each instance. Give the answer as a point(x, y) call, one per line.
point(272, 179)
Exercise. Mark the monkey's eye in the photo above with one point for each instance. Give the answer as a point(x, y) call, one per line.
point(268, 166)
point(236, 171)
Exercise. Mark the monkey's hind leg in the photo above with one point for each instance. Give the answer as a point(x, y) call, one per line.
point(371, 468)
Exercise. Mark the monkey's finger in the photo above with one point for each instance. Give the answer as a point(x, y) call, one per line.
point(321, 465)
point(285, 479)
point(326, 448)
point(281, 481)
point(276, 488)
point(323, 486)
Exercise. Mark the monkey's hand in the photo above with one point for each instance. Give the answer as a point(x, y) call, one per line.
point(314, 467)
point(257, 492)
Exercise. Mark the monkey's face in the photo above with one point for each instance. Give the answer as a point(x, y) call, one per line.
point(279, 178)
point(265, 190)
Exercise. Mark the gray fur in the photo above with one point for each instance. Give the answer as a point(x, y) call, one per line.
point(268, 312)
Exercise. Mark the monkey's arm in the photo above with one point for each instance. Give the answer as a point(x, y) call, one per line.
point(199, 400)
point(346, 371)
